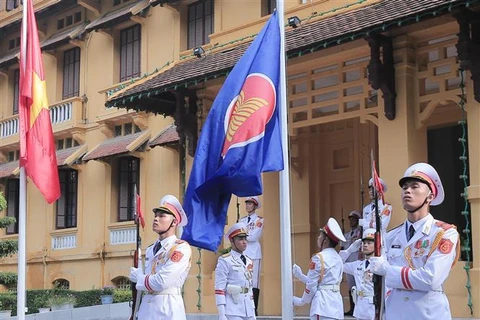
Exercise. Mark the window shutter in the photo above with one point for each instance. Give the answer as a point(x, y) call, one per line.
point(10, 5)
point(16, 90)
point(13, 199)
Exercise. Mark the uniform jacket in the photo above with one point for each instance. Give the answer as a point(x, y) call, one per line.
point(418, 269)
point(364, 307)
point(385, 211)
point(231, 270)
point(255, 230)
point(165, 274)
point(326, 267)
point(351, 236)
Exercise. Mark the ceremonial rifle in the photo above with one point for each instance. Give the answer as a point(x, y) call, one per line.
point(343, 222)
point(377, 190)
point(137, 256)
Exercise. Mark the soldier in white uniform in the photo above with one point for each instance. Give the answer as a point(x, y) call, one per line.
point(324, 276)
point(354, 234)
point(363, 289)
point(384, 209)
point(420, 252)
point(233, 278)
point(254, 225)
point(167, 263)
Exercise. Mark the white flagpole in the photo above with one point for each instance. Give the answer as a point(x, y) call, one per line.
point(22, 216)
point(285, 225)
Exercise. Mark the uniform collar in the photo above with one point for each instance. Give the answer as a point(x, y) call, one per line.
point(169, 240)
point(236, 254)
point(424, 224)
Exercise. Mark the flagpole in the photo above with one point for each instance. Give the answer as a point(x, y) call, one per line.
point(285, 225)
point(22, 216)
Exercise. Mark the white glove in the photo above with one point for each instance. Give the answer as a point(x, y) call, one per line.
point(134, 274)
point(378, 265)
point(297, 273)
point(360, 222)
point(221, 312)
point(355, 246)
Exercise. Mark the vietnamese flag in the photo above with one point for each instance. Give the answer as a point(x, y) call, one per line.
point(37, 145)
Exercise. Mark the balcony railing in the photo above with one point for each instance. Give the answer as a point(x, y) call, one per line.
point(123, 235)
point(64, 115)
point(67, 241)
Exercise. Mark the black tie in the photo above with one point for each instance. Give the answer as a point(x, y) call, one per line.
point(248, 221)
point(366, 263)
point(157, 247)
point(243, 259)
point(351, 234)
point(411, 232)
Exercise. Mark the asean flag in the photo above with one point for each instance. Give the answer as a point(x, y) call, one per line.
point(37, 145)
point(240, 140)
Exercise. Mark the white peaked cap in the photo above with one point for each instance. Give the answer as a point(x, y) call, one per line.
point(384, 185)
point(171, 205)
point(333, 231)
point(255, 200)
point(237, 229)
point(425, 173)
point(369, 234)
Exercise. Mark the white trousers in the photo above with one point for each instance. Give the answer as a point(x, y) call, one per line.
point(317, 317)
point(256, 272)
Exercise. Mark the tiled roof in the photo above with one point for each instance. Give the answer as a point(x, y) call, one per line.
point(312, 35)
point(64, 35)
point(70, 155)
point(166, 137)
point(7, 169)
point(114, 16)
point(117, 146)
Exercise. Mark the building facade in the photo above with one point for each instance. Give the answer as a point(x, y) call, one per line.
point(129, 89)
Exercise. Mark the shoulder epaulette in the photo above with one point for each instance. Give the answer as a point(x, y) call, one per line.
point(259, 217)
point(226, 255)
point(445, 226)
point(180, 241)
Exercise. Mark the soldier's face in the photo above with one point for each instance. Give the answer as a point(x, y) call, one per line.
point(353, 221)
point(240, 243)
point(414, 194)
point(368, 246)
point(250, 206)
point(162, 221)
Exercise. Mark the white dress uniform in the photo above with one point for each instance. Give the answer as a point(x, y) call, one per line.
point(351, 237)
point(233, 282)
point(364, 292)
point(166, 272)
point(418, 269)
point(325, 270)
point(254, 249)
point(369, 220)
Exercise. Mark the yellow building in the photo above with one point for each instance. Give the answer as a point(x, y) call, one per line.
point(128, 98)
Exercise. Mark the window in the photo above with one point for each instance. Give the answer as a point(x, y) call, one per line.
point(129, 168)
point(71, 73)
point(16, 90)
point(61, 284)
point(67, 203)
point(200, 23)
point(11, 4)
point(13, 198)
point(14, 43)
point(130, 40)
point(122, 283)
point(69, 20)
point(268, 6)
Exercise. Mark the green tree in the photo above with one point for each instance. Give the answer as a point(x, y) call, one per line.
point(7, 247)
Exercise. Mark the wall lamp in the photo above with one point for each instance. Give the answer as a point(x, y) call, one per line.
point(198, 52)
point(293, 21)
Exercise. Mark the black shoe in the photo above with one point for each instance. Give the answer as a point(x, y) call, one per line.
point(348, 313)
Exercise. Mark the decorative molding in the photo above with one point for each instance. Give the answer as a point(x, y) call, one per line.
point(381, 72)
point(91, 5)
point(106, 130)
point(468, 46)
point(140, 119)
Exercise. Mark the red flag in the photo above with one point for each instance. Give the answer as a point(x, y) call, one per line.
point(139, 212)
point(37, 145)
point(377, 184)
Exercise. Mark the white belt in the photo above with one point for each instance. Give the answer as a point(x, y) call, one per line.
point(333, 287)
point(175, 291)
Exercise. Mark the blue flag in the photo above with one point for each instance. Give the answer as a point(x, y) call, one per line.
point(239, 140)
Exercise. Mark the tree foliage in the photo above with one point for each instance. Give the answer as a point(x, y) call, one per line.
point(8, 247)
